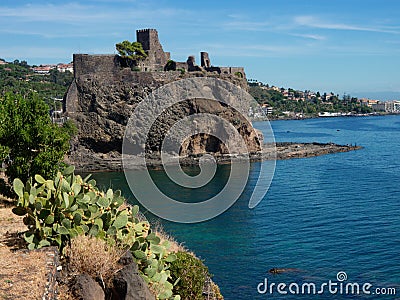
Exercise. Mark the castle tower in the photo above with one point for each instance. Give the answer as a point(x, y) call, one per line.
point(205, 60)
point(157, 58)
point(148, 38)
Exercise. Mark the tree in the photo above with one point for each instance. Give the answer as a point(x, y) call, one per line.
point(24, 64)
point(61, 78)
point(131, 52)
point(32, 143)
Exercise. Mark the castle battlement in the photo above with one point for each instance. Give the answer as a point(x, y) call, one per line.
point(146, 30)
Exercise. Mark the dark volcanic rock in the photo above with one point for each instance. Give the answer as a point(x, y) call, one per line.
point(126, 259)
point(127, 283)
point(86, 288)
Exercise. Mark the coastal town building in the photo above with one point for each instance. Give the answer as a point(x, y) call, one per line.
point(392, 106)
point(65, 67)
point(368, 102)
point(45, 69)
point(268, 110)
point(380, 106)
point(387, 106)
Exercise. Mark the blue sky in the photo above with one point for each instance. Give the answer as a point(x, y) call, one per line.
point(350, 46)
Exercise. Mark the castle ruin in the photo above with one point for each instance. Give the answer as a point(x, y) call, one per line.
point(156, 60)
point(105, 91)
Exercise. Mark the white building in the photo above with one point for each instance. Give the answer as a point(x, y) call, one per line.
point(392, 106)
point(43, 69)
point(387, 106)
point(65, 67)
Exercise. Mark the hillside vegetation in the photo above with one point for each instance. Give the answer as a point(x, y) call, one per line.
point(19, 78)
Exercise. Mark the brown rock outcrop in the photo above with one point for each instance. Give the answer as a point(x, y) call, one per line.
point(104, 94)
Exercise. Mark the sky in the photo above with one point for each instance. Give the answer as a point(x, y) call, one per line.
point(340, 46)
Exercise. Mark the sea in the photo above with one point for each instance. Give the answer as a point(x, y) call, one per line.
point(329, 224)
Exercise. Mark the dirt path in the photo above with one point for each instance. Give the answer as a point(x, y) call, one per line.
point(22, 273)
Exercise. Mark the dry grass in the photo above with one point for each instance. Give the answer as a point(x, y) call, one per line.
point(64, 292)
point(10, 224)
point(160, 232)
point(216, 291)
point(94, 257)
point(22, 274)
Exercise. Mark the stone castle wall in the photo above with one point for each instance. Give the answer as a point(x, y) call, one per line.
point(233, 70)
point(92, 64)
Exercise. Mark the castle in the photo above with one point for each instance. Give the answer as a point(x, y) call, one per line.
point(157, 60)
point(105, 91)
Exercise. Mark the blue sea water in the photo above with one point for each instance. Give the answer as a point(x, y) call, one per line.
point(321, 215)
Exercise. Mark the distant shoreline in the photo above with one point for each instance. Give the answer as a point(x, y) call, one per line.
point(289, 118)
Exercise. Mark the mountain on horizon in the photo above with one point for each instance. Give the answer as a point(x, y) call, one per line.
point(383, 96)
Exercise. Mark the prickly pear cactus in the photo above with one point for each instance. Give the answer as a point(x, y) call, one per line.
point(57, 210)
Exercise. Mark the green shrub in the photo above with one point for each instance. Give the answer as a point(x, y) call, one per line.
point(190, 275)
point(70, 128)
point(58, 210)
point(33, 144)
point(239, 74)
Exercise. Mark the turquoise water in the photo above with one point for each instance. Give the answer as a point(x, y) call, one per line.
point(322, 215)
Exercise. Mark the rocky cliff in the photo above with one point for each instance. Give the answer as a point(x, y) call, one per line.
point(103, 96)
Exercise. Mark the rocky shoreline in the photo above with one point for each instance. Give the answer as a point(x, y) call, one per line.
point(100, 162)
point(302, 150)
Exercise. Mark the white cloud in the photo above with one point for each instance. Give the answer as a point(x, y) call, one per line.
point(76, 20)
point(68, 12)
point(315, 22)
point(74, 13)
point(316, 37)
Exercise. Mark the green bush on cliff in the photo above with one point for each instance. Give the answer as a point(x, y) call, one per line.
point(190, 275)
point(239, 74)
point(58, 210)
point(28, 138)
point(131, 52)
